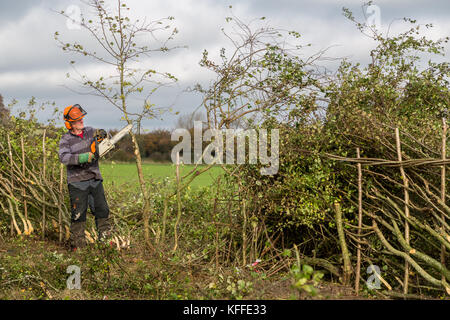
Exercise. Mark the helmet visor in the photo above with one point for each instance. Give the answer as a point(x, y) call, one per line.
point(75, 113)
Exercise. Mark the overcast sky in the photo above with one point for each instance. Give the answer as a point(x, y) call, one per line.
point(31, 64)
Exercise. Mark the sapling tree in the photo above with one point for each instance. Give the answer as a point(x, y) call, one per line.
point(120, 43)
point(260, 77)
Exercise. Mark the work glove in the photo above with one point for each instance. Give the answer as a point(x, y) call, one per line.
point(86, 157)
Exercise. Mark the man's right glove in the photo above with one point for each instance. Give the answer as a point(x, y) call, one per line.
point(86, 157)
point(100, 134)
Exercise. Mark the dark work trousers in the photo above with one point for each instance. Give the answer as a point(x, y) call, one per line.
point(88, 193)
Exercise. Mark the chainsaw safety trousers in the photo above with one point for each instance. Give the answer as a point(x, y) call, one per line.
point(83, 194)
point(79, 192)
point(77, 236)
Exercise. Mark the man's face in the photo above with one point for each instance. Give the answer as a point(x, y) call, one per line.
point(78, 125)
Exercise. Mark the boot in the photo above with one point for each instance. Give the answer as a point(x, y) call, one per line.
point(77, 236)
point(103, 228)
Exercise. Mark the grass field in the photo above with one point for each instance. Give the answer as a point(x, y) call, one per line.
point(119, 173)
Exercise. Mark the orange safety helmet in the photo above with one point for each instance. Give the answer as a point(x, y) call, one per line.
point(73, 113)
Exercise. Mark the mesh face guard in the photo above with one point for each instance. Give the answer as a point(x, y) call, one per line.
point(76, 114)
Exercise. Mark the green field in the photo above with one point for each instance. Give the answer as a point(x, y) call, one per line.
point(119, 173)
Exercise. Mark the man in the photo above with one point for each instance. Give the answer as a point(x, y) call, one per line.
point(83, 176)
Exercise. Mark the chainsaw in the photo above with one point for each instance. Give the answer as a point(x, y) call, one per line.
point(101, 144)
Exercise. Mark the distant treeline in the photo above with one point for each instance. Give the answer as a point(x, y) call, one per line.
point(154, 146)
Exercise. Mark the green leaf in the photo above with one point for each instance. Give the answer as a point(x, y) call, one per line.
point(286, 253)
point(307, 269)
point(301, 282)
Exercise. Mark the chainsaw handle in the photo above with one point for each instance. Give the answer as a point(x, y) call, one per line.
point(99, 135)
point(94, 149)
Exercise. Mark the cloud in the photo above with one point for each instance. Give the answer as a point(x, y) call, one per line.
point(13, 11)
point(33, 65)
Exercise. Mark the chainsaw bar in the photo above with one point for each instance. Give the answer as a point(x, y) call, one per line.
point(108, 144)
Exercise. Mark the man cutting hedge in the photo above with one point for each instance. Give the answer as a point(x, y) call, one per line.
point(83, 176)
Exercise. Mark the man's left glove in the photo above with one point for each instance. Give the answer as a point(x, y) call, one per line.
point(86, 157)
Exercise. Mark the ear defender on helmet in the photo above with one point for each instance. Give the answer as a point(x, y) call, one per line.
point(68, 125)
point(73, 113)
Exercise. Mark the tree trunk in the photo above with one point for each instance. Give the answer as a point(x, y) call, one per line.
point(44, 178)
point(405, 187)
point(146, 209)
point(343, 244)
point(175, 229)
point(444, 142)
point(358, 253)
